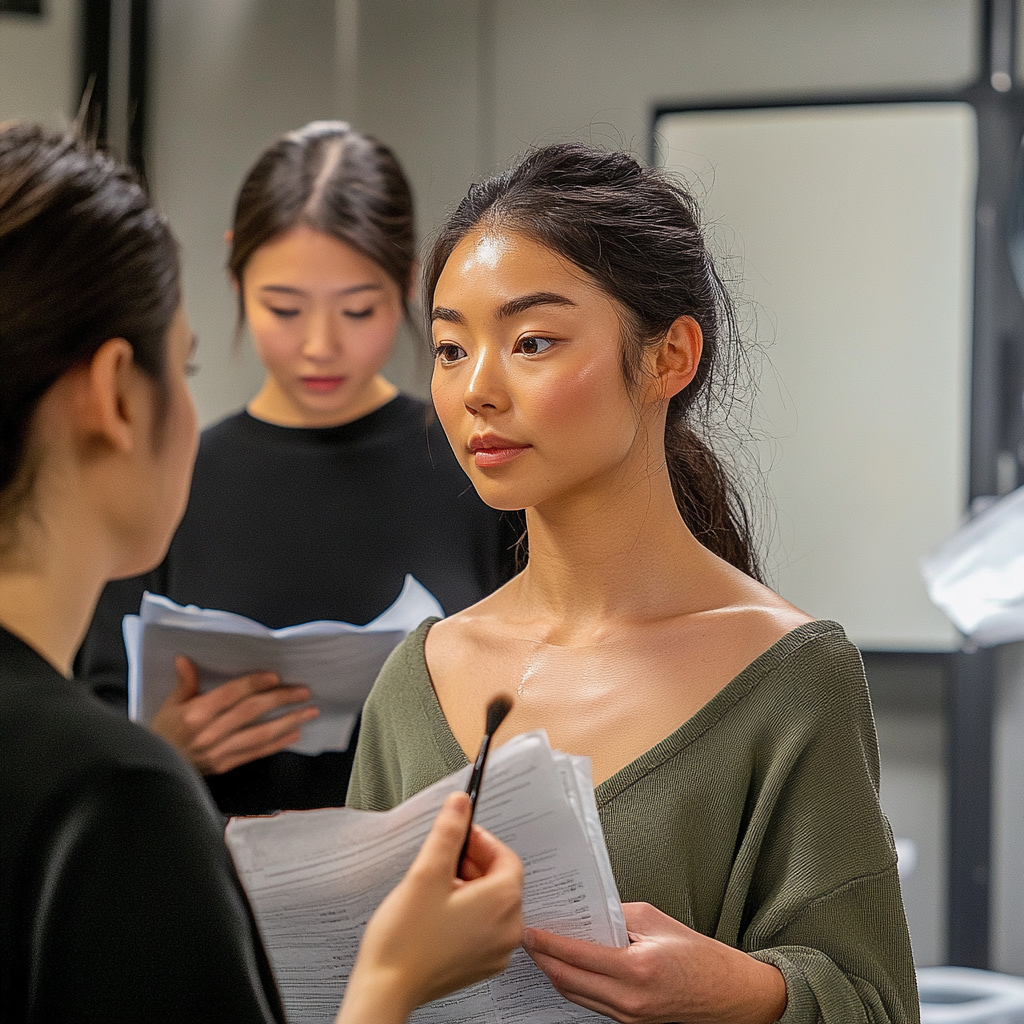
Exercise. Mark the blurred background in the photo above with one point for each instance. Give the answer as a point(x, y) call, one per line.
point(192, 90)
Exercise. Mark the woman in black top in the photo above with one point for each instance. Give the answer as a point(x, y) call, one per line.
point(118, 900)
point(316, 500)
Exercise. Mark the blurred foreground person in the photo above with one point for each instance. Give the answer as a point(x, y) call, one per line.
point(118, 898)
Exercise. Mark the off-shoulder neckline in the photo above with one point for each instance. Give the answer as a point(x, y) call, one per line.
point(686, 733)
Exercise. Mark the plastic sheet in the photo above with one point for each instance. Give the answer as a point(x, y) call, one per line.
point(977, 576)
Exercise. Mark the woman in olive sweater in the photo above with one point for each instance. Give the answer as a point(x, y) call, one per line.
point(581, 332)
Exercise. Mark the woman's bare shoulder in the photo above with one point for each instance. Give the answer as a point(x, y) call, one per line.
point(745, 619)
point(485, 614)
point(766, 610)
point(465, 634)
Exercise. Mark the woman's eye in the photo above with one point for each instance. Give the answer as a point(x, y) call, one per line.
point(359, 314)
point(191, 369)
point(447, 352)
point(533, 346)
point(284, 314)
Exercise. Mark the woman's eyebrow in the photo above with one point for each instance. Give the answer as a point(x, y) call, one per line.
point(507, 309)
point(449, 316)
point(516, 306)
point(284, 289)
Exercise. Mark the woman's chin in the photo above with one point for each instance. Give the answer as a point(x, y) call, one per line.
point(504, 506)
point(502, 499)
point(144, 559)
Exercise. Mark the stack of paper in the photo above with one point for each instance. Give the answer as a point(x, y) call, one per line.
point(336, 660)
point(315, 877)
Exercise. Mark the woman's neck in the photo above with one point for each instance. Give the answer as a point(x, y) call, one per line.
point(274, 405)
point(594, 558)
point(49, 587)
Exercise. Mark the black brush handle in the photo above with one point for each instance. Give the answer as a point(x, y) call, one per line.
point(473, 789)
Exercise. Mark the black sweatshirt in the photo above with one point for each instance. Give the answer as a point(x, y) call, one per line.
point(289, 524)
point(119, 902)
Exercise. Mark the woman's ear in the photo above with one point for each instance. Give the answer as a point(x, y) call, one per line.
point(107, 391)
point(678, 356)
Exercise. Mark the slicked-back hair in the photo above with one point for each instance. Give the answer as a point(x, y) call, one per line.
point(84, 257)
point(329, 177)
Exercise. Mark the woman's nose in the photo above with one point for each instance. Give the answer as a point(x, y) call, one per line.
point(320, 339)
point(486, 387)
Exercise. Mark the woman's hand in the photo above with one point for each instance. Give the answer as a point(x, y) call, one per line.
point(219, 730)
point(436, 933)
point(668, 973)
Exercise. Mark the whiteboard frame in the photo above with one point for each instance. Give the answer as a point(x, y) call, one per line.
point(971, 676)
point(889, 609)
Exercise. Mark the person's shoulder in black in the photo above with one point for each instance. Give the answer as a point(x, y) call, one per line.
point(292, 524)
point(118, 899)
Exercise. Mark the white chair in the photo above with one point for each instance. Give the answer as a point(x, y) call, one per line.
point(963, 995)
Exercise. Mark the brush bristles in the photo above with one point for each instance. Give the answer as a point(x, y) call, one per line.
point(499, 707)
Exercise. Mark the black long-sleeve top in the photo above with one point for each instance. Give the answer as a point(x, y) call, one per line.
point(286, 525)
point(118, 899)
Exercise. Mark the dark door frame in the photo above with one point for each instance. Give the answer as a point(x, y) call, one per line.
point(113, 77)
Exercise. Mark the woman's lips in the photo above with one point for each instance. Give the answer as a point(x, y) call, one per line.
point(322, 385)
point(495, 451)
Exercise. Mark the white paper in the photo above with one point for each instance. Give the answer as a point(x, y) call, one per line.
point(336, 660)
point(315, 877)
point(977, 576)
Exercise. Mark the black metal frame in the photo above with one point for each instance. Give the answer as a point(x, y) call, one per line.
point(996, 428)
point(23, 8)
point(94, 77)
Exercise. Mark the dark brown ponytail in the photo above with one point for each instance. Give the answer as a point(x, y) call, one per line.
point(706, 498)
point(638, 234)
point(84, 257)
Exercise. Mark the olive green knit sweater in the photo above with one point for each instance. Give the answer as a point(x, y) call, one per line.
point(757, 821)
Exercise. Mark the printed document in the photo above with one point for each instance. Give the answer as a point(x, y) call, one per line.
point(315, 877)
point(336, 660)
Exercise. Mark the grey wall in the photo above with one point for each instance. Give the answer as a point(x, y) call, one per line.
point(457, 87)
point(39, 64)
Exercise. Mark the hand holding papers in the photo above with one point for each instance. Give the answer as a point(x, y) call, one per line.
point(435, 934)
point(336, 660)
point(315, 877)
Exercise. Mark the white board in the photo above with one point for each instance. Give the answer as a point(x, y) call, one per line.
point(854, 232)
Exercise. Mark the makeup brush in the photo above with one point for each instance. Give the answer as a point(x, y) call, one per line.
point(498, 708)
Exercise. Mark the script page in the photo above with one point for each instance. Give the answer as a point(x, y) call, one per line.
point(315, 877)
point(338, 661)
point(340, 669)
